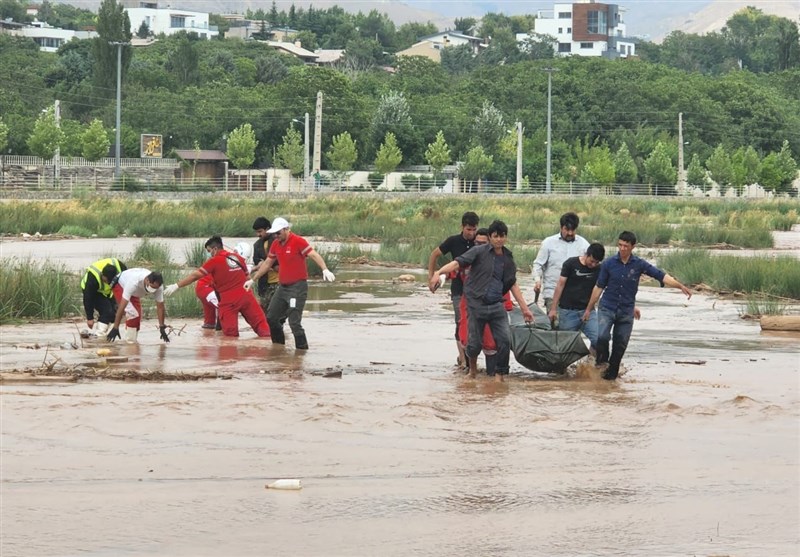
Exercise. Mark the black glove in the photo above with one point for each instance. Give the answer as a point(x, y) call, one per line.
point(113, 334)
point(164, 335)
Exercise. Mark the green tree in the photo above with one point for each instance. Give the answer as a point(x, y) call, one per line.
point(393, 115)
point(438, 155)
point(720, 167)
point(696, 175)
point(465, 25)
point(290, 153)
point(342, 155)
point(3, 136)
point(458, 59)
point(599, 170)
point(113, 25)
point(389, 155)
point(95, 142)
point(477, 164)
point(184, 61)
point(144, 30)
point(745, 168)
point(72, 142)
point(626, 170)
point(661, 175)
point(270, 70)
point(47, 137)
point(779, 170)
point(242, 146)
point(488, 127)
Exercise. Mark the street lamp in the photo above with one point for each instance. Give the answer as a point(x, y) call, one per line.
point(119, 45)
point(306, 158)
point(548, 183)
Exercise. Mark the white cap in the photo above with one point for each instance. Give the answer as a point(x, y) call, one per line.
point(279, 224)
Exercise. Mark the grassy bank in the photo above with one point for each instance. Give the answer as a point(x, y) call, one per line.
point(404, 219)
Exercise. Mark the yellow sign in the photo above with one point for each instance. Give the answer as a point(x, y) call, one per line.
point(151, 146)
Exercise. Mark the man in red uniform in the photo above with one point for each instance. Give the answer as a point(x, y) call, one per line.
point(229, 272)
point(290, 252)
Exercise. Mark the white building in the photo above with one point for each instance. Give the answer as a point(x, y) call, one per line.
point(585, 28)
point(168, 21)
point(50, 38)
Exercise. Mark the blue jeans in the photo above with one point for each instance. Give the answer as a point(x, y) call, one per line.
point(622, 323)
point(496, 316)
point(572, 320)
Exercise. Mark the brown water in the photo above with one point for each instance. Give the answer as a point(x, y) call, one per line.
point(401, 456)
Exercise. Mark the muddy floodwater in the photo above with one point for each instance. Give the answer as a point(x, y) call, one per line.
point(694, 451)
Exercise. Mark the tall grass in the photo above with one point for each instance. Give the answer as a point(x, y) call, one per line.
point(403, 218)
point(195, 254)
point(151, 255)
point(36, 290)
point(769, 276)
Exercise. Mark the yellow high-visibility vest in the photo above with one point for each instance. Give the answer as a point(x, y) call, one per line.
point(96, 269)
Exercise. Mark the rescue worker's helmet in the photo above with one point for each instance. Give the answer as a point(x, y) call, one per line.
point(244, 249)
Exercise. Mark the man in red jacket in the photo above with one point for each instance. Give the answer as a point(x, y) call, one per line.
point(229, 272)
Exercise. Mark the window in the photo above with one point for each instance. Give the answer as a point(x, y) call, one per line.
point(565, 47)
point(564, 15)
point(177, 21)
point(560, 30)
point(569, 29)
point(48, 42)
point(597, 23)
point(587, 45)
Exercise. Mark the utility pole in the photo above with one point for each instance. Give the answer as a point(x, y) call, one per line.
point(318, 134)
point(681, 171)
point(306, 159)
point(519, 156)
point(119, 45)
point(57, 156)
point(548, 184)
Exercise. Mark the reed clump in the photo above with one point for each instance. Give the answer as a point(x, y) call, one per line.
point(765, 275)
point(36, 290)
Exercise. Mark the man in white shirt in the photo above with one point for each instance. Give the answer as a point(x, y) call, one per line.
point(133, 284)
point(553, 252)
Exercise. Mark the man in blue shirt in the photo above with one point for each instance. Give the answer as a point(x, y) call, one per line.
point(618, 282)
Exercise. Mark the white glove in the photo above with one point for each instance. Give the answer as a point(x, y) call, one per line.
point(327, 276)
point(170, 290)
point(212, 299)
point(248, 284)
point(442, 280)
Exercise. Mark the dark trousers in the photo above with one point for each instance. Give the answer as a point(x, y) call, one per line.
point(282, 307)
point(106, 308)
point(496, 317)
point(621, 321)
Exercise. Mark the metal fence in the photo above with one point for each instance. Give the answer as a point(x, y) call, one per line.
point(68, 162)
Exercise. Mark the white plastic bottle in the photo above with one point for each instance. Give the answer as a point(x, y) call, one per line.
point(285, 484)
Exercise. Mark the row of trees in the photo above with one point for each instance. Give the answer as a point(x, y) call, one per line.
point(750, 40)
point(196, 92)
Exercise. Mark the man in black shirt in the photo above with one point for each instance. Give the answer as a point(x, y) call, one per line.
point(573, 291)
point(96, 285)
point(269, 282)
point(456, 245)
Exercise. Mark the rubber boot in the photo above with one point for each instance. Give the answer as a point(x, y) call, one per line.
point(300, 342)
point(131, 335)
point(100, 329)
point(277, 334)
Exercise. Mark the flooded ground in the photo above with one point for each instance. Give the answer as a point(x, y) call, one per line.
point(694, 451)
